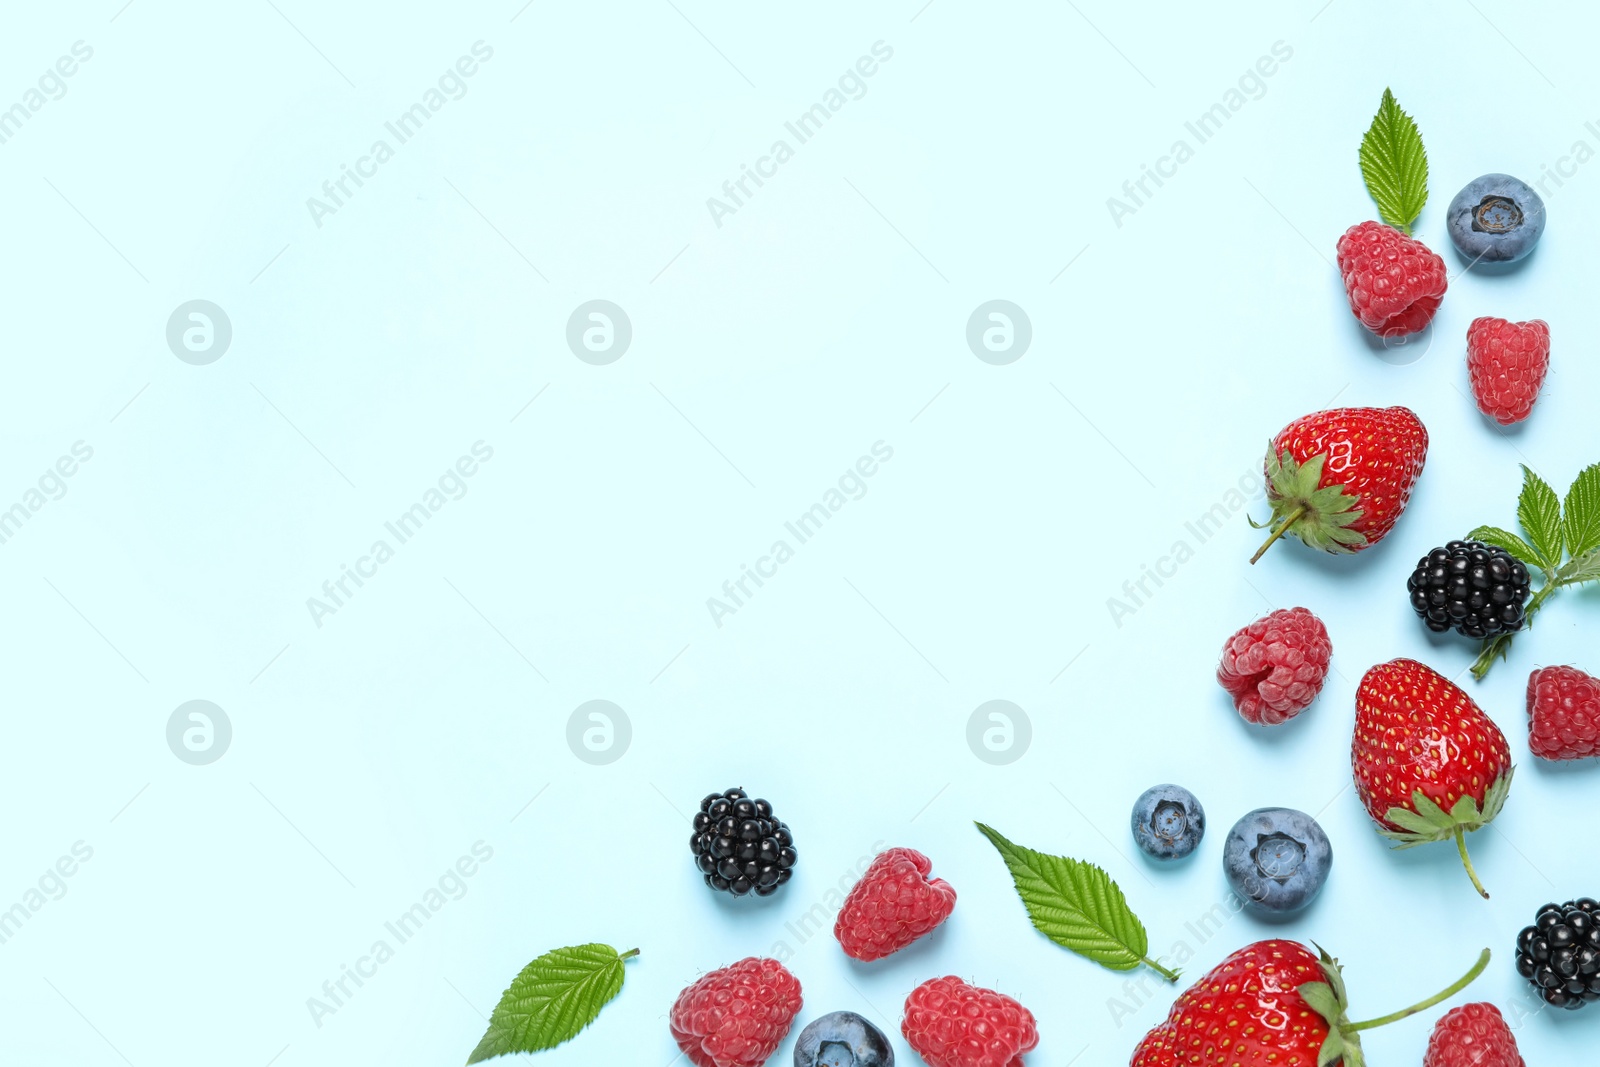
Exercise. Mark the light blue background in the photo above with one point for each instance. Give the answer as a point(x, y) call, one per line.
point(827, 314)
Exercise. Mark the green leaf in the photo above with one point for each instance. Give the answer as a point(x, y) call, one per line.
point(1395, 165)
point(1540, 514)
point(1498, 538)
point(1076, 905)
point(1585, 568)
point(552, 1000)
point(1580, 516)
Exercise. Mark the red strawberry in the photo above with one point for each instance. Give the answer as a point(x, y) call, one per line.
point(1507, 362)
point(894, 904)
point(1429, 765)
point(1339, 479)
point(1270, 1004)
point(1394, 282)
point(1473, 1035)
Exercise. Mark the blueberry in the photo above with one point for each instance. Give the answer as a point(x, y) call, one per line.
point(1276, 859)
point(1168, 822)
point(1496, 218)
point(842, 1039)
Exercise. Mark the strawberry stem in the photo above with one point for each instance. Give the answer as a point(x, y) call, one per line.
point(1279, 530)
point(1460, 984)
point(1466, 861)
point(1169, 975)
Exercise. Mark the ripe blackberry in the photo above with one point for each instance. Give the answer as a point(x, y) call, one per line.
point(1560, 953)
point(740, 846)
point(1470, 587)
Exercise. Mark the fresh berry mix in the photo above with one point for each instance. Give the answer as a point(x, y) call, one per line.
point(1473, 1035)
point(1471, 588)
point(1339, 479)
point(1506, 363)
point(1429, 765)
point(952, 1024)
point(740, 846)
point(1276, 860)
point(1496, 219)
point(736, 1016)
point(1560, 953)
point(1394, 282)
point(1270, 1004)
point(1168, 822)
point(894, 904)
point(1563, 713)
point(1274, 668)
point(842, 1039)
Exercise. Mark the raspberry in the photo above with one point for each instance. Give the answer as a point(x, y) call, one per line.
point(1274, 668)
point(1507, 362)
point(736, 1016)
point(1563, 713)
point(1473, 1035)
point(1394, 283)
point(894, 904)
point(952, 1024)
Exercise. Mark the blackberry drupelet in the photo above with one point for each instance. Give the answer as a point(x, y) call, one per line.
point(1470, 587)
point(1560, 953)
point(740, 846)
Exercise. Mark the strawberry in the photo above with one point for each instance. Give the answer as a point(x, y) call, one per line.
point(1429, 765)
point(1339, 479)
point(1270, 1004)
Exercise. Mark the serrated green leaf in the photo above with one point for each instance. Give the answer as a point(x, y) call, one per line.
point(1395, 165)
point(1075, 904)
point(1540, 514)
point(1580, 514)
point(1585, 568)
point(552, 1000)
point(1498, 538)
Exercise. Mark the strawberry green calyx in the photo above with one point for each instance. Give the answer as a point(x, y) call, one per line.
point(1429, 822)
point(1330, 1000)
point(1321, 517)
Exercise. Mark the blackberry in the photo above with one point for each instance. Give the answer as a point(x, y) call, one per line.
point(1471, 588)
point(1560, 953)
point(740, 846)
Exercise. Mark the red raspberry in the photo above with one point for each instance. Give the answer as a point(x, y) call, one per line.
point(1274, 668)
point(1507, 362)
point(894, 904)
point(1473, 1035)
point(736, 1016)
point(1394, 283)
point(1563, 713)
point(952, 1024)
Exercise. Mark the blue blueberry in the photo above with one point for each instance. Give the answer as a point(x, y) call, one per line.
point(842, 1039)
point(1496, 218)
point(1277, 860)
point(1168, 822)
